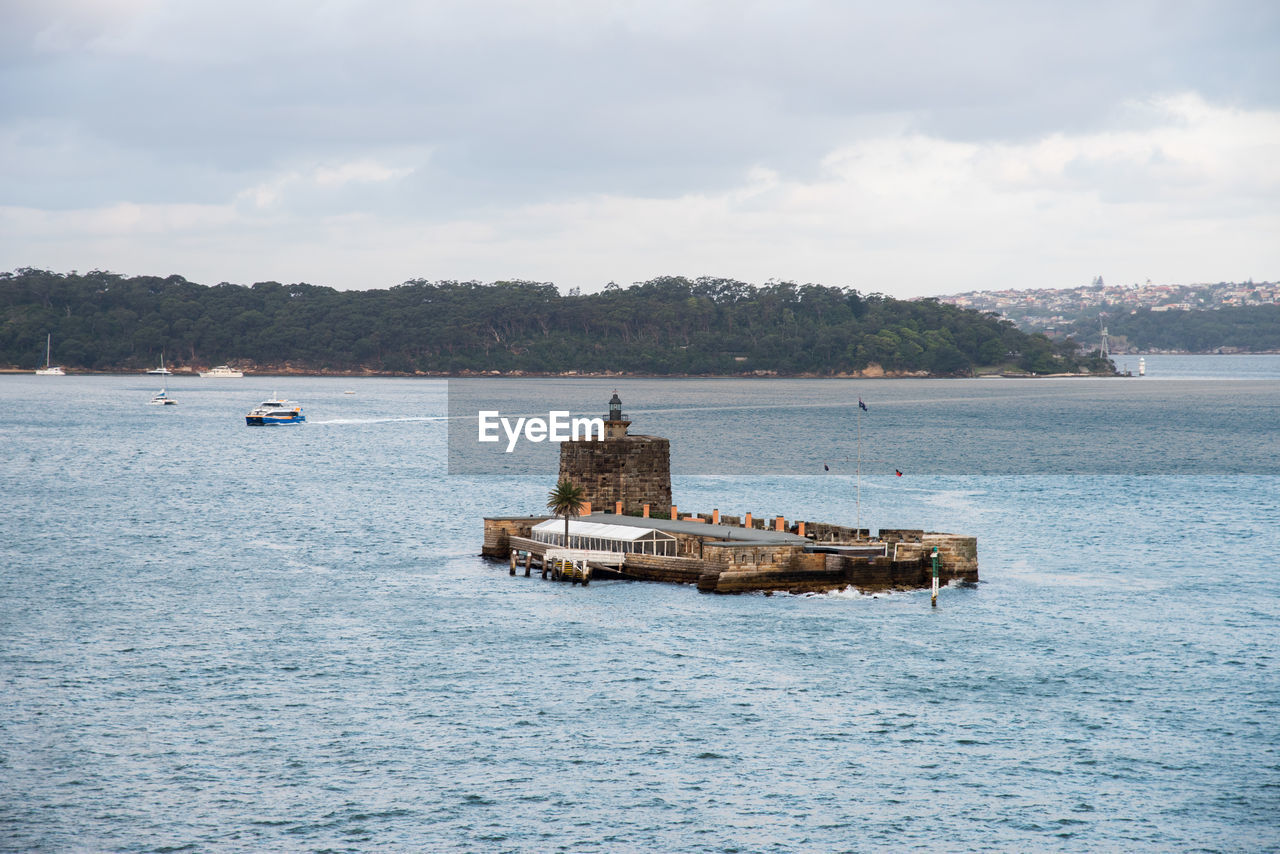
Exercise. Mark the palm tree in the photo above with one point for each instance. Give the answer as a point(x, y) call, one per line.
point(565, 500)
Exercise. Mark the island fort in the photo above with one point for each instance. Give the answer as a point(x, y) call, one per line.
point(629, 528)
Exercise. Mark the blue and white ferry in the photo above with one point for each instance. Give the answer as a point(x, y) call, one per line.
point(275, 411)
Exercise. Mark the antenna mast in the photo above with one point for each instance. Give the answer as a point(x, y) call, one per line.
point(857, 535)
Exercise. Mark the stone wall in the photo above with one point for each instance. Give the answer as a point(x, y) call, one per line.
point(787, 568)
point(677, 570)
point(824, 532)
point(958, 556)
point(742, 556)
point(498, 530)
point(735, 567)
point(635, 470)
point(799, 573)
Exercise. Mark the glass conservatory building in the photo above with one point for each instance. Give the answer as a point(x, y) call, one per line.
point(598, 537)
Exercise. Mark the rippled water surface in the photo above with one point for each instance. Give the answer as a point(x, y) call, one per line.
point(217, 638)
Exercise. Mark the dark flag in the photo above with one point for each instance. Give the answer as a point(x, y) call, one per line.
point(826, 467)
point(862, 405)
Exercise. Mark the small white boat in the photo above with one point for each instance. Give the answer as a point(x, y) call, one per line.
point(161, 398)
point(274, 411)
point(222, 371)
point(162, 370)
point(49, 370)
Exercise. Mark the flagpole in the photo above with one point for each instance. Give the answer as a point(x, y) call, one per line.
point(858, 531)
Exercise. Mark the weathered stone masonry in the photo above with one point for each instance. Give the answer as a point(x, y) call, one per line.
point(731, 567)
point(635, 470)
point(624, 474)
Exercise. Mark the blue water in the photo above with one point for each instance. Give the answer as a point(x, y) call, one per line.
point(1221, 368)
point(216, 638)
point(922, 427)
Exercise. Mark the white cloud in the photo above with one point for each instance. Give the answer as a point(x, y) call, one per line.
point(911, 214)
point(125, 221)
point(305, 182)
point(908, 148)
point(359, 171)
point(1191, 198)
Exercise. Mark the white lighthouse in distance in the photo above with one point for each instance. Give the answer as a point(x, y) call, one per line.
point(1142, 367)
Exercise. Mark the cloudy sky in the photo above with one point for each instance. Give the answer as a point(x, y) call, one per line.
point(911, 148)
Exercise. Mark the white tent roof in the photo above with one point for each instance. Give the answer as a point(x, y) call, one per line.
point(626, 533)
point(702, 530)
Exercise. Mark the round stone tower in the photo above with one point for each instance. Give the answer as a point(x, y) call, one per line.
point(635, 470)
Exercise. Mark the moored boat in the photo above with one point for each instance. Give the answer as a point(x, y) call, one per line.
point(221, 371)
point(161, 398)
point(162, 370)
point(277, 410)
point(49, 370)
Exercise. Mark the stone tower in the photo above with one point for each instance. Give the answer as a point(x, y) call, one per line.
point(635, 470)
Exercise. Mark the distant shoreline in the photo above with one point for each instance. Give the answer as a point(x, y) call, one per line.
point(516, 375)
point(873, 374)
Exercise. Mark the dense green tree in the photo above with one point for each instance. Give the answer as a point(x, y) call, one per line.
point(668, 325)
point(1254, 328)
point(1249, 328)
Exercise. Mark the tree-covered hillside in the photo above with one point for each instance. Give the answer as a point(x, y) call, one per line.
point(670, 325)
point(1254, 329)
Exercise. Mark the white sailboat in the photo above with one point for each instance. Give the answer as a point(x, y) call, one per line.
point(162, 370)
point(161, 398)
point(49, 370)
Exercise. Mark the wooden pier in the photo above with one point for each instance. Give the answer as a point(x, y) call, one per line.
point(573, 565)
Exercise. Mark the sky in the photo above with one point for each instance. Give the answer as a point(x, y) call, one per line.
point(906, 148)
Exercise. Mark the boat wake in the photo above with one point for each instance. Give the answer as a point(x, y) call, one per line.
point(381, 420)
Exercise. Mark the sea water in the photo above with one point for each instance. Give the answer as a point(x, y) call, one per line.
point(223, 638)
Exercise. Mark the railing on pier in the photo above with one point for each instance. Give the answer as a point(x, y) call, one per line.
point(586, 556)
point(575, 564)
point(526, 544)
point(563, 564)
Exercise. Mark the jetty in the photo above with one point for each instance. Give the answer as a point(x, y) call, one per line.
point(630, 476)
